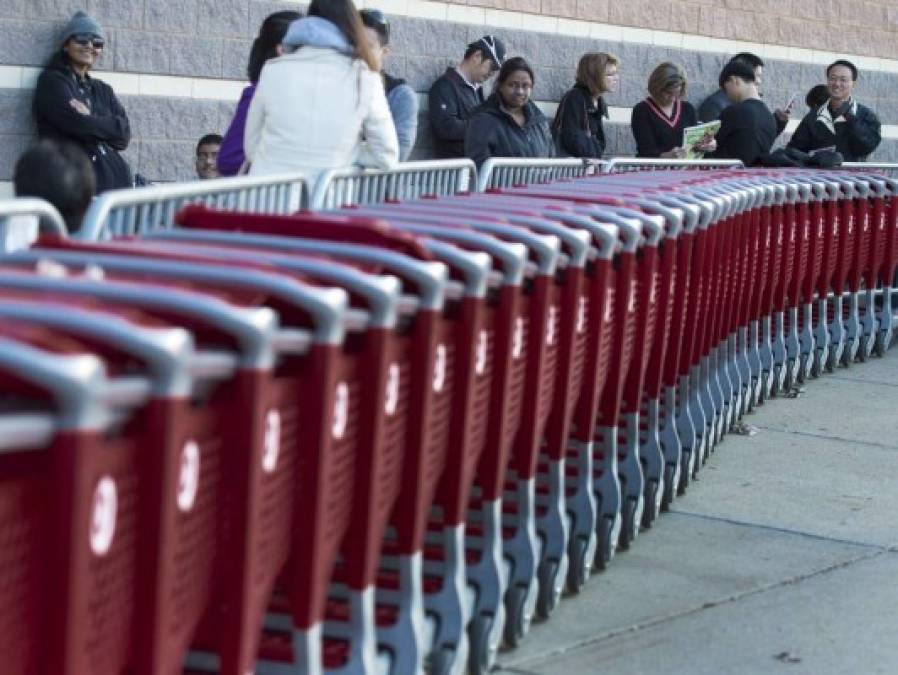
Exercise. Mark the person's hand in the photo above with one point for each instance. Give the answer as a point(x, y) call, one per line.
point(707, 144)
point(843, 109)
point(783, 114)
point(676, 153)
point(79, 107)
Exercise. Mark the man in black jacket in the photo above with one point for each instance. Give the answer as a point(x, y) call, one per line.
point(458, 92)
point(747, 127)
point(841, 122)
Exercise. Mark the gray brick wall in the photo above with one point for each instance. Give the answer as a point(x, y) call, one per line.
point(211, 39)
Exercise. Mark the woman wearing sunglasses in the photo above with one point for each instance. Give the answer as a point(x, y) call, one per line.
point(70, 105)
point(509, 124)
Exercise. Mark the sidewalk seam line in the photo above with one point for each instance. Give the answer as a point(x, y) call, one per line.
point(841, 439)
point(711, 604)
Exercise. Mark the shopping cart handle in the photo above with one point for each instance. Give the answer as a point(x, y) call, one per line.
point(324, 227)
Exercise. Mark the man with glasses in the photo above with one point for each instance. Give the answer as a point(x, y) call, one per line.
point(459, 91)
point(841, 123)
point(401, 98)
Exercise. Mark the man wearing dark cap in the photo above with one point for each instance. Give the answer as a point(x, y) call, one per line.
point(459, 91)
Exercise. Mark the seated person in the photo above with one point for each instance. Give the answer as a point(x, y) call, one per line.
point(658, 121)
point(60, 173)
point(207, 156)
point(853, 129)
point(748, 128)
point(509, 124)
point(817, 96)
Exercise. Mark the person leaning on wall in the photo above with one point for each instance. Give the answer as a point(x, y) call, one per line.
point(577, 127)
point(509, 124)
point(70, 105)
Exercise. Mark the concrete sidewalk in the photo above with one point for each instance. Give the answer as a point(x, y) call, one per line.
point(781, 558)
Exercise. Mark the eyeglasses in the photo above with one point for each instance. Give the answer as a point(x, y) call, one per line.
point(517, 86)
point(490, 42)
point(377, 21)
point(89, 40)
point(839, 80)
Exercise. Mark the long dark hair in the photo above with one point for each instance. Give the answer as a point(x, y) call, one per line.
point(271, 34)
point(344, 15)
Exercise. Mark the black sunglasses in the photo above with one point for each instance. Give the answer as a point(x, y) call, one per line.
point(89, 40)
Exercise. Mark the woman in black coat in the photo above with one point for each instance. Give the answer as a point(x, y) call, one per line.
point(509, 124)
point(70, 105)
point(578, 121)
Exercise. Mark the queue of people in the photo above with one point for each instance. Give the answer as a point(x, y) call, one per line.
point(319, 98)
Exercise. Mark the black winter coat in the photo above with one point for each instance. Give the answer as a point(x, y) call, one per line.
point(578, 125)
point(492, 132)
point(451, 103)
point(101, 135)
point(855, 138)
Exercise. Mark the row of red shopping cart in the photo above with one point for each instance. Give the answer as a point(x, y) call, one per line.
point(383, 439)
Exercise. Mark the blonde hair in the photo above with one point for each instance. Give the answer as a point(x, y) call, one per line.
point(591, 71)
point(667, 75)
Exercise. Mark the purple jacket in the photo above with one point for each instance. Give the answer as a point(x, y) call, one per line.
point(230, 156)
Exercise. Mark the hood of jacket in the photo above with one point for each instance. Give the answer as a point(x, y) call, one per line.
point(313, 31)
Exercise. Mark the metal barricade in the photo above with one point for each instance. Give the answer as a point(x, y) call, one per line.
point(887, 168)
point(503, 172)
point(126, 212)
point(410, 180)
point(621, 164)
point(22, 218)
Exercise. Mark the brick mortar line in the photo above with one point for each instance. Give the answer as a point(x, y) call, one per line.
point(652, 623)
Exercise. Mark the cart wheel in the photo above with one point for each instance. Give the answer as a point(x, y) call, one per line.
point(442, 661)
point(517, 621)
point(649, 513)
point(879, 347)
point(604, 545)
point(578, 572)
point(667, 496)
point(550, 587)
point(483, 654)
point(628, 523)
point(862, 353)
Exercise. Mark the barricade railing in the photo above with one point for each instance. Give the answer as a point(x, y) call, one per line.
point(502, 172)
point(621, 164)
point(126, 212)
point(21, 218)
point(888, 168)
point(410, 180)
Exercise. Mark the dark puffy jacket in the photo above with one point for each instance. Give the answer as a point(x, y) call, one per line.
point(492, 132)
point(855, 138)
point(102, 134)
point(451, 103)
point(578, 127)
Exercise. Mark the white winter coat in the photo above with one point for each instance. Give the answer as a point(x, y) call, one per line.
point(310, 112)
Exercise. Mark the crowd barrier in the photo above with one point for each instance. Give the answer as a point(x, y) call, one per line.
point(619, 164)
point(22, 219)
point(410, 180)
point(499, 172)
point(386, 437)
point(132, 211)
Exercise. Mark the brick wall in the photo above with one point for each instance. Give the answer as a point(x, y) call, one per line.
point(862, 27)
point(210, 39)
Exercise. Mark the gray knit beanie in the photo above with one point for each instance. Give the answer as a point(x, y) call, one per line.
point(79, 24)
